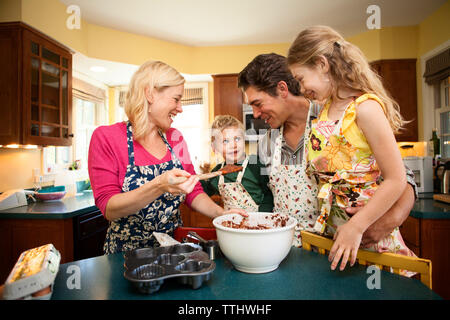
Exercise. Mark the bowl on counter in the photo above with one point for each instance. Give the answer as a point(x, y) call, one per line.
point(258, 243)
point(51, 193)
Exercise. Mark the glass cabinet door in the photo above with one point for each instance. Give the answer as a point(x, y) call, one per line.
point(49, 114)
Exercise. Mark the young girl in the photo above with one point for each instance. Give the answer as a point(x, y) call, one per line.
point(351, 142)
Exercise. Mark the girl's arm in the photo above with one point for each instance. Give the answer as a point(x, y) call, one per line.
point(375, 127)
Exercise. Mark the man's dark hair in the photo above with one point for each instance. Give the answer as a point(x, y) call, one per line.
point(264, 73)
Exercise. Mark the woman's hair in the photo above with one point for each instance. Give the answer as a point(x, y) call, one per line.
point(348, 66)
point(222, 122)
point(265, 71)
point(155, 75)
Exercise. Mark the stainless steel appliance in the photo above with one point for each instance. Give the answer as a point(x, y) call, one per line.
point(422, 167)
point(254, 128)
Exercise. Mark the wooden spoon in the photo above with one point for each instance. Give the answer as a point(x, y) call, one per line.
point(229, 168)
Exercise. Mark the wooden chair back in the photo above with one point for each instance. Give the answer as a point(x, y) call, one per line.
point(383, 260)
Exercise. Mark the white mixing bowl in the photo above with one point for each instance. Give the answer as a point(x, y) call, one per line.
point(255, 251)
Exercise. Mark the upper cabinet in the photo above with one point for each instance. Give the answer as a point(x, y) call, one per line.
point(227, 95)
point(399, 78)
point(36, 88)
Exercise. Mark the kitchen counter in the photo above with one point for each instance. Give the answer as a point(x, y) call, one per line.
point(427, 208)
point(302, 275)
point(68, 207)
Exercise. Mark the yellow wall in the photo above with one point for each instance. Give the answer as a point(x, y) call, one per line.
point(49, 16)
point(10, 10)
point(432, 32)
point(16, 170)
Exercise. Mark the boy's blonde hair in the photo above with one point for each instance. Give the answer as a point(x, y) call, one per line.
point(222, 122)
point(348, 66)
point(155, 75)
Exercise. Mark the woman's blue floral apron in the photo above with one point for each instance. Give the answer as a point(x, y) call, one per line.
point(161, 215)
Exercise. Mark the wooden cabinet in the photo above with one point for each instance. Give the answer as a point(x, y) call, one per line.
point(227, 95)
point(399, 78)
point(18, 235)
point(430, 239)
point(36, 85)
point(75, 238)
point(195, 219)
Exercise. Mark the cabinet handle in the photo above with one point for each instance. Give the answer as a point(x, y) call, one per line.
point(69, 135)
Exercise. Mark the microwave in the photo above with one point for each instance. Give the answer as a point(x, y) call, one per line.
point(422, 167)
point(254, 128)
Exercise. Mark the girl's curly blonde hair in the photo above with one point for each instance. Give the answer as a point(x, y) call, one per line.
point(349, 67)
point(155, 75)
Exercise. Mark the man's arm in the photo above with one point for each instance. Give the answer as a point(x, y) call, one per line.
point(393, 218)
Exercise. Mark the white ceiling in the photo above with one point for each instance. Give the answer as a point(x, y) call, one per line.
point(232, 22)
point(235, 22)
point(116, 73)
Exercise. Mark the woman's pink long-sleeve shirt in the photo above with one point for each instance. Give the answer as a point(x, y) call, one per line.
point(108, 160)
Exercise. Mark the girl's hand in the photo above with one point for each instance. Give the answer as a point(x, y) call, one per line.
point(166, 181)
point(347, 240)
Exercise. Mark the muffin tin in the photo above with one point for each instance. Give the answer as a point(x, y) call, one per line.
point(147, 268)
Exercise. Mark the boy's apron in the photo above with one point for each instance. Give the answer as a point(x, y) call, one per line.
point(161, 215)
point(294, 192)
point(234, 195)
point(346, 176)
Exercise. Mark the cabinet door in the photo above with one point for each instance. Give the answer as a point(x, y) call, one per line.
point(399, 78)
point(227, 96)
point(89, 231)
point(10, 96)
point(47, 81)
point(18, 235)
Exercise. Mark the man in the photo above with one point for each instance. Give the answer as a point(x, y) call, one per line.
point(274, 94)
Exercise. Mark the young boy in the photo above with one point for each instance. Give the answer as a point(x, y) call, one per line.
point(247, 189)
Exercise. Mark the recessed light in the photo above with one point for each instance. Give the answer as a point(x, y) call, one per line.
point(98, 69)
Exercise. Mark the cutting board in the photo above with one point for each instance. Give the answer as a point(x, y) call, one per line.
point(442, 197)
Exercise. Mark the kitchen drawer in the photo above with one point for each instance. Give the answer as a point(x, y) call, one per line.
point(90, 224)
point(410, 230)
point(89, 235)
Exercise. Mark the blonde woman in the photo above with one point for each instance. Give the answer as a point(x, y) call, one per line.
point(133, 164)
point(351, 142)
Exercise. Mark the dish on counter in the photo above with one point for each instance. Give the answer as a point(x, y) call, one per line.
point(256, 244)
point(50, 196)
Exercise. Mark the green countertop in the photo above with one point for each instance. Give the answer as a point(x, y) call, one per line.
point(427, 208)
point(424, 208)
point(66, 208)
point(302, 275)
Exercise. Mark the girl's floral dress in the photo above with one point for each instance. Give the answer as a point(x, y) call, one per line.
point(339, 156)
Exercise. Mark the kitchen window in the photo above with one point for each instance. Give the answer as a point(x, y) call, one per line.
point(88, 116)
point(193, 122)
point(437, 77)
point(88, 112)
point(443, 117)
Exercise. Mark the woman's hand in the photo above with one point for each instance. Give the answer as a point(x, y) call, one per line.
point(347, 240)
point(177, 181)
point(240, 211)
